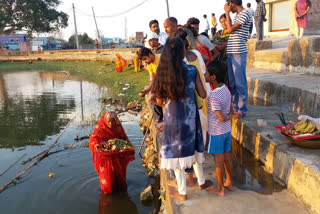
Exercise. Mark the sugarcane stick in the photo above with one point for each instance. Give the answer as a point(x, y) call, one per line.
point(12, 165)
point(30, 159)
point(145, 135)
point(39, 158)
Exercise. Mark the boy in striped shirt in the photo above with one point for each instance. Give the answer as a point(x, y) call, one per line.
point(219, 115)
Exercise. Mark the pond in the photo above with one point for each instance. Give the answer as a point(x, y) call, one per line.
point(35, 106)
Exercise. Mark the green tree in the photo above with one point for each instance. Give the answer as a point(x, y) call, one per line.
point(83, 39)
point(31, 15)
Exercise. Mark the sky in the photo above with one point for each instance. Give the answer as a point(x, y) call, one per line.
point(138, 18)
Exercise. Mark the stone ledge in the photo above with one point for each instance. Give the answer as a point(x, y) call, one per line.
point(297, 167)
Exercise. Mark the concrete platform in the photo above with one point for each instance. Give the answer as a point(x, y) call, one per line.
point(238, 201)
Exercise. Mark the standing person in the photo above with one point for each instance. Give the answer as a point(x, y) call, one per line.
point(170, 26)
point(154, 27)
point(301, 10)
point(152, 61)
point(205, 25)
point(237, 54)
point(204, 50)
point(175, 84)
point(252, 14)
point(220, 39)
point(153, 40)
point(219, 116)
point(96, 43)
point(194, 22)
point(194, 58)
point(136, 62)
point(214, 25)
point(259, 18)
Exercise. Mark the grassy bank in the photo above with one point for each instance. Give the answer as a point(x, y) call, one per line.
point(102, 73)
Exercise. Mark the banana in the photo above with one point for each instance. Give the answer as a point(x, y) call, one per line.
point(310, 128)
point(299, 127)
point(299, 124)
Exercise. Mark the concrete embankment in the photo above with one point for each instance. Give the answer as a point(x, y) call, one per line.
point(298, 168)
point(294, 94)
point(286, 166)
point(69, 55)
point(300, 55)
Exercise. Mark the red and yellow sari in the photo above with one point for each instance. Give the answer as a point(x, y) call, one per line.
point(110, 166)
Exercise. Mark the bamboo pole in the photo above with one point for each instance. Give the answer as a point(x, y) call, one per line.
point(39, 158)
point(12, 165)
point(145, 135)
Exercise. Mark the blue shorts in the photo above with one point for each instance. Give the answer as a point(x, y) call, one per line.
point(219, 144)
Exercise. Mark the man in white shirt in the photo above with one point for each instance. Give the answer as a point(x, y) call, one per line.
point(251, 11)
point(154, 27)
point(205, 26)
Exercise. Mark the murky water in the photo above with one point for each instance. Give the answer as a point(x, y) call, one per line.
point(249, 174)
point(34, 108)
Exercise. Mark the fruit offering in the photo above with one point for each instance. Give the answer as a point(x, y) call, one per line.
point(116, 145)
point(304, 127)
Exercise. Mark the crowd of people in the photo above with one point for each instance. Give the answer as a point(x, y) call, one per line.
point(197, 85)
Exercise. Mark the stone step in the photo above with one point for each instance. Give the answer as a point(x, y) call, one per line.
point(301, 55)
point(293, 92)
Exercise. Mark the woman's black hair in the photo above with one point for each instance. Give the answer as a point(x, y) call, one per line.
point(193, 21)
point(169, 82)
point(223, 16)
point(192, 29)
point(183, 35)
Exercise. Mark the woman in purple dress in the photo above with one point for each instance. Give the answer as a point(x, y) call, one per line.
point(301, 10)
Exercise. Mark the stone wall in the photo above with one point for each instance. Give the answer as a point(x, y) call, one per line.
point(302, 55)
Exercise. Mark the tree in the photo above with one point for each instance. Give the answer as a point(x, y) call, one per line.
point(32, 16)
point(83, 39)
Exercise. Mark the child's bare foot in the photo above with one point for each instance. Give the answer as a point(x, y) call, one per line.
point(216, 191)
point(205, 185)
point(175, 194)
point(228, 186)
point(172, 183)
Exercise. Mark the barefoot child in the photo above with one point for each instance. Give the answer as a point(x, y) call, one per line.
point(219, 115)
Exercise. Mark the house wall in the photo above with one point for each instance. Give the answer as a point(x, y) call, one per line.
point(313, 17)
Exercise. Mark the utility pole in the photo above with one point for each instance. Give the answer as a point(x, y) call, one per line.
point(94, 16)
point(125, 27)
point(167, 2)
point(75, 27)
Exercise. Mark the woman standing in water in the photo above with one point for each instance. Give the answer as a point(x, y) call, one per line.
point(175, 84)
point(301, 10)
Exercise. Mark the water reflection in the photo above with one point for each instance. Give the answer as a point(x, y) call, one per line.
point(34, 106)
point(116, 204)
point(249, 174)
point(27, 120)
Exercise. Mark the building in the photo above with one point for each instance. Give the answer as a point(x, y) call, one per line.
point(139, 38)
point(43, 43)
point(281, 18)
point(11, 42)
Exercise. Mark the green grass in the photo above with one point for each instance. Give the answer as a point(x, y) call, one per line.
point(102, 73)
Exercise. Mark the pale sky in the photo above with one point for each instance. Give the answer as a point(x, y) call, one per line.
point(137, 19)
